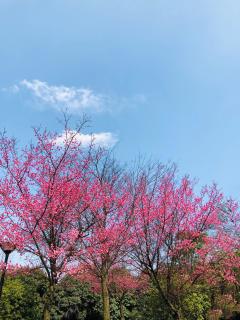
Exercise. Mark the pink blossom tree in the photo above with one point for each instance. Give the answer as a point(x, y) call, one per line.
point(171, 222)
point(45, 195)
point(107, 244)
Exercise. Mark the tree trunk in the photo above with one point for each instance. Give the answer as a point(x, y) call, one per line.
point(46, 313)
point(105, 298)
point(122, 317)
point(48, 302)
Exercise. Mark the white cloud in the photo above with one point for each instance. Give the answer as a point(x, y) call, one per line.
point(102, 139)
point(62, 97)
point(72, 99)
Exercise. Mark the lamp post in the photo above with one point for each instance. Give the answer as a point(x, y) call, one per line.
point(7, 247)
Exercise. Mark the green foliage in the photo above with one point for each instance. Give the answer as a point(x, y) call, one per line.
point(150, 307)
point(129, 303)
point(70, 292)
point(23, 297)
point(196, 305)
point(20, 300)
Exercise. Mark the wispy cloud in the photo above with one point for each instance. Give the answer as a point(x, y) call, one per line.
point(102, 139)
point(59, 97)
point(13, 89)
point(74, 100)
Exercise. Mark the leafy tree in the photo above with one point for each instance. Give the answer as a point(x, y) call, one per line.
point(196, 306)
point(21, 299)
point(71, 292)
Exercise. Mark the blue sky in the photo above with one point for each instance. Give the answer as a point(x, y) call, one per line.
point(160, 77)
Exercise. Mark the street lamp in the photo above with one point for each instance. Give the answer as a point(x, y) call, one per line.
point(7, 247)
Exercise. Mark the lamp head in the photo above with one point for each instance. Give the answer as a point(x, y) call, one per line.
point(7, 247)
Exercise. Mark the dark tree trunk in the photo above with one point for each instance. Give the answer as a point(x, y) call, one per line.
point(105, 298)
